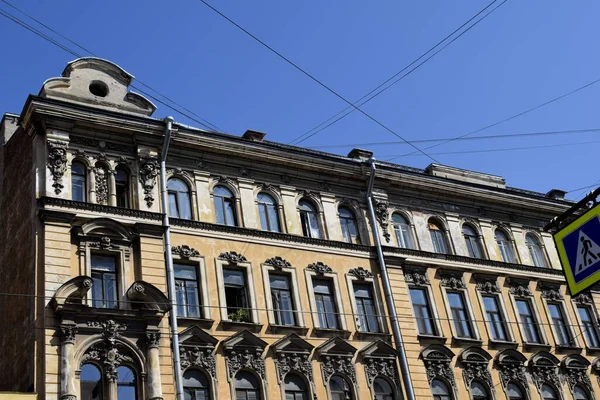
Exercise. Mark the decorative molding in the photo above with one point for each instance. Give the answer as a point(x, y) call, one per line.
point(152, 339)
point(148, 173)
point(333, 364)
point(416, 277)
point(104, 243)
point(544, 371)
point(57, 163)
point(382, 214)
point(110, 328)
point(360, 273)
point(267, 187)
point(437, 364)
point(452, 281)
point(552, 294)
point(513, 372)
point(476, 367)
point(199, 357)
point(108, 353)
point(185, 251)
point(376, 366)
point(244, 172)
point(100, 144)
point(519, 288)
point(577, 376)
point(583, 298)
point(297, 362)
point(487, 284)
point(319, 268)
point(245, 359)
point(278, 262)
point(67, 333)
point(232, 257)
point(225, 180)
point(99, 208)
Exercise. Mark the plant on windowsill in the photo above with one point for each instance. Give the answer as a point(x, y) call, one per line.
point(241, 315)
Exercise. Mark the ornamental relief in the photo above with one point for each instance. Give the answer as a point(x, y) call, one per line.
point(57, 163)
point(545, 374)
point(439, 367)
point(148, 173)
point(278, 263)
point(386, 367)
point(453, 282)
point(199, 357)
point(416, 278)
point(382, 214)
point(232, 257)
point(247, 359)
point(334, 364)
point(576, 376)
point(185, 251)
point(513, 372)
point(319, 268)
point(294, 362)
point(360, 273)
point(477, 371)
point(101, 178)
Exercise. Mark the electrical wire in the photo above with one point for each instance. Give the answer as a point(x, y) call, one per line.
point(203, 122)
point(329, 89)
point(347, 111)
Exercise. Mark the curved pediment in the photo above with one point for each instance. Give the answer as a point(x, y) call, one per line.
point(543, 359)
point(99, 83)
point(72, 291)
point(510, 357)
point(474, 355)
point(145, 296)
point(437, 352)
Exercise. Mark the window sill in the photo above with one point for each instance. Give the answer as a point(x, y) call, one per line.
point(592, 350)
point(299, 330)
point(493, 343)
point(568, 348)
point(461, 340)
point(372, 336)
point(201, 322)
point(234, 325)
point(537, 346)
point(321, 332)
point(432, 339)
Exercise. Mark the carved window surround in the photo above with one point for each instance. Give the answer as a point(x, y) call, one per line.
point(243, 351)
point(474, 362)
point(511, 366)
point(360, 275)
point(488, 285)
point(380, 361)
point(274, 192)
point(406, 214)
point(438, 360)
point(319, 270)
point(197, 352)
point(453, 282)
point(317, 202)
point(574, 370)
point(543, 368)
point(336, 357)
point(281, 266)
point(232, 185)
point(292, 354)
point(187, 255)
point(189, 180)
point(237, 261)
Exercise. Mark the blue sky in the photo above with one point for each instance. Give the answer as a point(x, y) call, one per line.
point(523, 54)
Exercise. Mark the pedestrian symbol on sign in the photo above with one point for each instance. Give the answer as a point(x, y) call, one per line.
point(588, 252)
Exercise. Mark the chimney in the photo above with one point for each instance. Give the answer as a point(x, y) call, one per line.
point(556, 194)
point(360, 154)
point(255, 136)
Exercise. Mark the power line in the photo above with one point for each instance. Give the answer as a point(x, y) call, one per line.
point(471, 138)
point(205, 123)
point(349, 110)
point(314, 78)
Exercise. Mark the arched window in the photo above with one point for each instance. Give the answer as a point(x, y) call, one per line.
point(383, 390)
point(78, 182)
point(126, 384)
point(479, 391)
point(579, 393)
point(548, 392)
point(536, 251)
point(438, 237)
point(90, 382)
point(514, 391)
point(179, 199)
point(440, 390)
point(505, 246)
point(195, 385)
point(295, 388)
point(122, 188)
point(224, 206)
point(309, 219)
point(472, 241)
point(267, 210)
point(349, 225)
point(246, 386)
point(339, 388)
point(403, 232)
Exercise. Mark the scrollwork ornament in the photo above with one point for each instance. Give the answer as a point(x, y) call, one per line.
point(232, 257)
point(101, 175)
point(488, 286)
point(416, 278)
point(477, 371)
point(333, 364)
point(152, 339)
point(513, 372)
point(246, 359)
point(57, 163)
point(67, 333)
point(552, 295)
point(360, 273)
point(583, 298)
point(453, 282)
point(520, 291)
point(383, 216)
point(185, 251)
point(278, 263)
point(319, 268)
point(300, 363)
point(439, 368)
point(545, 374)
point(199, 357)
point(148, 173)
point(577, 376)
point(375, 367)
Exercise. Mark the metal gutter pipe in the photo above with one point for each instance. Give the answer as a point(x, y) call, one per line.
point(169, 259)
point(410, 392)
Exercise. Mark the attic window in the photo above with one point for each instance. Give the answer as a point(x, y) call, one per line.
point(98, 88)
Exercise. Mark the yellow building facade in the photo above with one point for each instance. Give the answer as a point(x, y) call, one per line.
point(279, 289)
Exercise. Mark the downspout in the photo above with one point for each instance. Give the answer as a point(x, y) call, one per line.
point(169, 259)
point(410, 392)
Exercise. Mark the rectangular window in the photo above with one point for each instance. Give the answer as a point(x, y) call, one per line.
point(563, 335)
point(439, 241)
point(589, 327)
point(462, 322)
point(104, 277)
point(326, 308)
point(365, 304)
point(283, 304)
point(527, 319)
point(236, 295)
point(186, 290)
point(422, 309)
point(495, 318)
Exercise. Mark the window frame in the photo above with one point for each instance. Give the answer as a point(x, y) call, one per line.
point(587, 303)
point(200, 263)
point(118, 289)
point(411, 229)
point(511, 243)
point(444, 232)
point(479, 240)
point(346, 380)
point(261, 386)
point(267, 270)
point(332, 276)
point(351, 280)
point(424, 283)
point(552, 296)
point(128, 186)
point(521, 291)
point(542, 248)
point(316, 205)
point(86, 179)
point(488, 286)
point(308, 390)
point(455, 284)
point(278, 211)
point(344, 225)
point(178, 197)
point(209, 380)
point(246, 267)
point(237, 215)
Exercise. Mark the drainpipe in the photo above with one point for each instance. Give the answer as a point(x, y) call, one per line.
point(410, 392)
point(169, 259)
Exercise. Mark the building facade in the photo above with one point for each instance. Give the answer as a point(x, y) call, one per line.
point(278, 286)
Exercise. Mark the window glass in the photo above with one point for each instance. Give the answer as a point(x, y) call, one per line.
point(462, 322)
point(325, 302)
point(179, 199)
point(349, 225)
point(383, 390)
point(422, 309)
point(563, 335)
point(309, 220)
point(281, 296)
point(579, 393)
point(535, 251)
point(472, 241)
point(224, 206)
point(195, 385)
point(403, 232)
point(186, 288)
point(495, 318)
point(514, 391)
point(295, 387)
point(122, 188)
point(246, 386)
point(104, 277)
point(339, 388)
point(126, 384)
point(548, 393)
point(589, 327)
point(478, 391)
point(528, 321)
point(236, 295)
point(440, 390)
point(438, 238)
point(365, 304)
point(78, 182)
point(267, 210)
point(505, 246)
point(91, 382)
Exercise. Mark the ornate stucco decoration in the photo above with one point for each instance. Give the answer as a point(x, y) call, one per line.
point(452, 281)
point(267, 187)
point(519, 288)
point(185, 251)
point(292, 354)
point(108, 353)
point(544, 369)
point(583, 298)
point(437, 361)
point(148, 174)
point(475, 366)
point(416, 277)
point(67, 333)
point(232, 257)
point(380, 360)
point(244, 351)
point(57, 163)
point(360, 273)
point(225, 180)
point(319, 268)
point(278, 262)
point(382, 214)
point(574, 370)
point(104, 243)
point(510, 364)
point(336, 358)
point(197, 350)
point(487, 284)
point(152, 339)
point(552, 294)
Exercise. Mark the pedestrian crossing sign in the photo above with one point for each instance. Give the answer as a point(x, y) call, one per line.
point(578, 246)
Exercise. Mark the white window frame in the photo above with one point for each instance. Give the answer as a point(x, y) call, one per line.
point(200, 263)
point(468, 306)
point(503, 310)
point(267, 269)
point(534, 309)
point(413, 231)
point(562, 304)
point(337, 295)
point(430, 298)
point(594, 315)
point(350, 281)
point(247, 268)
